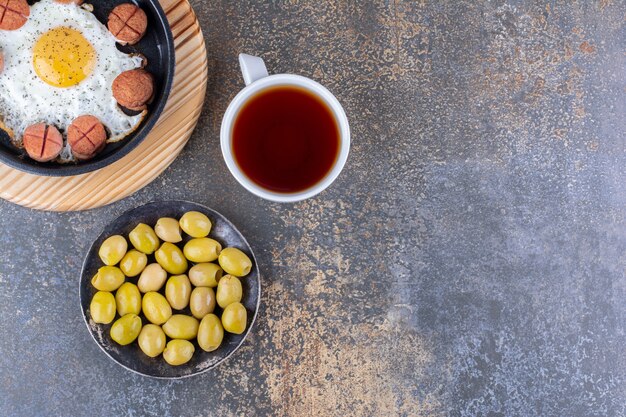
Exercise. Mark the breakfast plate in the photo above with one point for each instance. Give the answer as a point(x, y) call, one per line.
point(151, 157)
point(155, 49)
point(131, 356)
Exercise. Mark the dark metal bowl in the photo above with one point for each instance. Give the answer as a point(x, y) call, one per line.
point(158, 47)
point(131, 357)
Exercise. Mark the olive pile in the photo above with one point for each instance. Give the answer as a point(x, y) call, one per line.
point(186, 287)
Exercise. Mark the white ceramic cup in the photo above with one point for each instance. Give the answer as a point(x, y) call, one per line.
point(257, 79)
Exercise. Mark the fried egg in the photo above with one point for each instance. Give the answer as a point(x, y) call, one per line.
point(60, 65)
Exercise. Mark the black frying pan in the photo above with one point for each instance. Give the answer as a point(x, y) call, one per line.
point(158, 47)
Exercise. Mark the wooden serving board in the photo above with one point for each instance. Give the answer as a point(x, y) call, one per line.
point(157, 151)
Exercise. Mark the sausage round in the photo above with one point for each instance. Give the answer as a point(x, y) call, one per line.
point(128, 23)
point(13, 14)
point(134, 89)
point(42, 142)
point(86, 137)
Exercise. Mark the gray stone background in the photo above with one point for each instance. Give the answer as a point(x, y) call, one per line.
point(469, 261)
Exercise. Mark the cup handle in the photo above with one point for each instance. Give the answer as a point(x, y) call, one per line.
point(252, 68)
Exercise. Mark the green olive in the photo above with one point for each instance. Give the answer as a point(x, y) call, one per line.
point(202, 301)
point(178, 291)
point(234, 318)
point(126, 329)
point(152, 340)
point(168, 230)
point(195, 224)
point(108, 278)
point(202, 250)
point(133, 263)
point(102, 307)
point(178, 352)
point(235, 262)
point(205, 274)
point(156, 308)
point(113, 250)
point(152, 278)
point(181, 326)
point(210, 333)
point(128, 299)
point(171, 258)
point(144, 239)
point(228, 291)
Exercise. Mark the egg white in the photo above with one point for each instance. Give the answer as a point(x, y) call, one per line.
point(26, 99)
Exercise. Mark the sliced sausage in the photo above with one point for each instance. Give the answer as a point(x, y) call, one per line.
point(42, 142)
point(134, 89)
point(78, 2)
point(13, 14)
point(86, 136)
point(128, 23)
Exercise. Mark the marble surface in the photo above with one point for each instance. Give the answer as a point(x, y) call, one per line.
point(470, 260)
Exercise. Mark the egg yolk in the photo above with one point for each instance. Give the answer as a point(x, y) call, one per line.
point(62, 57)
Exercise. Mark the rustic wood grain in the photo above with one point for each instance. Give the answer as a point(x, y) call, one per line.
point(151, 157)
